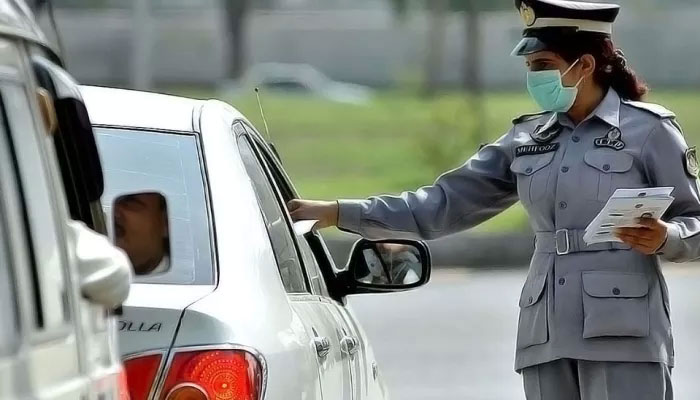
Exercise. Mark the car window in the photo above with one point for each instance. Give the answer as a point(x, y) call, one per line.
point(275, 220)
point(168, 164)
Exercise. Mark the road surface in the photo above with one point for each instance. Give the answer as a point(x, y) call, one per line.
point(455, 338)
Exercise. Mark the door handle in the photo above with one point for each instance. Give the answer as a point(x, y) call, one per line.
point(349, 345)
point(322, 346)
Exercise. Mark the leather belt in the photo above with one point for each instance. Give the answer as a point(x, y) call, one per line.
point(567, 241)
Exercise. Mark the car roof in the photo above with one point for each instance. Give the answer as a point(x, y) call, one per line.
point(16, 19)
point(136, 109)
point(146, 110)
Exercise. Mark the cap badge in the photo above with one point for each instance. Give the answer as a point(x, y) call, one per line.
point(527, 14)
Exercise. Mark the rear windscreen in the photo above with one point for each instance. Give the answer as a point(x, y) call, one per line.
point(156, 205)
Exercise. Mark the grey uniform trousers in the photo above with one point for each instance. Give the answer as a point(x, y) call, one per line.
point(569, 379)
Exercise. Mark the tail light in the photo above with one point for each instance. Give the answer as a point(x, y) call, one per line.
point(141, 373)
point(213, 375)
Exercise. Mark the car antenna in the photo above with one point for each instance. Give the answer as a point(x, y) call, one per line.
point(262, 114)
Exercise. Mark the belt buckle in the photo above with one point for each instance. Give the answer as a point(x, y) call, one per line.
point(557, 241)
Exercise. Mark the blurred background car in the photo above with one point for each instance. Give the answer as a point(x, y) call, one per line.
point(297, 79)
point(60, 281)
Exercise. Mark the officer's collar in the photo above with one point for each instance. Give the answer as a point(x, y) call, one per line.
point(609, 109)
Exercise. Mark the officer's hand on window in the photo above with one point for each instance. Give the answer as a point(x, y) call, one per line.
point(325, 212)
point(648, 239)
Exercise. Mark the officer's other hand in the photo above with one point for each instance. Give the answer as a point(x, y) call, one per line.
point(326, 212)
point(648, 238)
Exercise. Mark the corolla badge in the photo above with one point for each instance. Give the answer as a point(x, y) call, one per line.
point(131, 326)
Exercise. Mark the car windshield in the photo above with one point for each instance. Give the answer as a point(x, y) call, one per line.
point(167, 167)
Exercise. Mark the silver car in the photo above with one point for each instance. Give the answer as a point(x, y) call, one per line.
point(232, 300)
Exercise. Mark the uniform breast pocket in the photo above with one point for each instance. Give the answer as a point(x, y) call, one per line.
point(615, 304)
point(532, 172)
point(607, 171)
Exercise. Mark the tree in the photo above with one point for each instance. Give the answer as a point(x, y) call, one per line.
point(236, 12)
point(472, 11)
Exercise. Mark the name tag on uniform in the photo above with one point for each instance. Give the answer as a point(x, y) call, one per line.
point(535, 149)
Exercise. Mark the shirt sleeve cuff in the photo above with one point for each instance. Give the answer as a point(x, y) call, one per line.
point(350, 215)
point(673, 241)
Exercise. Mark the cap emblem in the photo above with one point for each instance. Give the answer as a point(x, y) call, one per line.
point(527, 14)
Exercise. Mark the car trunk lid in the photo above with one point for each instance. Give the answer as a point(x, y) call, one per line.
point(152, 315)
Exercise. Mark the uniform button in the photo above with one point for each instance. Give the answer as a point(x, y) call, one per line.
point(575, 139)
point(530, 300)
point(564, 169)
point(606, 167)
point(528, 170)
point(616, 291)
point(562, 281)
point(563, 205)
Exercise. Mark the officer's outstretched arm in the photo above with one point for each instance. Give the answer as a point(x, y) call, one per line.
point(669, 162)
point(460, 199)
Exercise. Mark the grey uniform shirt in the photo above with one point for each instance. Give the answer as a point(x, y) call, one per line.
point(604, 302)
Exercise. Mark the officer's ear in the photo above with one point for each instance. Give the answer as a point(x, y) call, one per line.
point(588, 65)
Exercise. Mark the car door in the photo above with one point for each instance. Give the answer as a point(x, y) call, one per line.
point(350, 342)
point(334, 372)
point(315, 253)
point(35, 216)
point(79, 171)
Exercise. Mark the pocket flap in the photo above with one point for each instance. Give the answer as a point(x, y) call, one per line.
point(528, 165)
point(532, 291)
point(615, 284)
point(608, 161)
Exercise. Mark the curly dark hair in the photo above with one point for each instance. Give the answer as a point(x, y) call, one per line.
point(612, 69)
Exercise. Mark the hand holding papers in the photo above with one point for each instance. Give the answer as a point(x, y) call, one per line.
point(624, 208)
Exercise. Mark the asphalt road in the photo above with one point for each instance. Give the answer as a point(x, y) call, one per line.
point(455, 338)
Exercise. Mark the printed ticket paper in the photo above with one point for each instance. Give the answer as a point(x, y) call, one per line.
point(623, 210)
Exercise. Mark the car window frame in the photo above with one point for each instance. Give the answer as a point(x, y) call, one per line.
point(280, 179)
point(245, 135)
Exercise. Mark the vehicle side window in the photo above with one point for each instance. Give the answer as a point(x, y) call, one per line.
point(275, 220)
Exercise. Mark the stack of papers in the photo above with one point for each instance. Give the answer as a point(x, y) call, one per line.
point(623, 210)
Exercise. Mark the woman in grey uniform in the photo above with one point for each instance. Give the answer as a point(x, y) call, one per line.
point(594, 319)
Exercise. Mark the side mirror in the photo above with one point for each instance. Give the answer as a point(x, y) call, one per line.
point(140, 226)
point(388, 266)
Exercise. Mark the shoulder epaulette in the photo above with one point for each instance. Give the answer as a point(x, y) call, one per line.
point(528, 117)
point(659, 111)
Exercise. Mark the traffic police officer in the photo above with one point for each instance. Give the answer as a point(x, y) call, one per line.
point(594, 320)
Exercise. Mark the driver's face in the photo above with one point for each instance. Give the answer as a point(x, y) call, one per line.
point(141, 229)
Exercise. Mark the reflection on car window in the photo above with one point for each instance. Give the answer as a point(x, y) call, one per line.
point(167, 164)
point(280, 236)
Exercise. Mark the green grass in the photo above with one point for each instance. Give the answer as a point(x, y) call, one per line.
point(346, 151)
